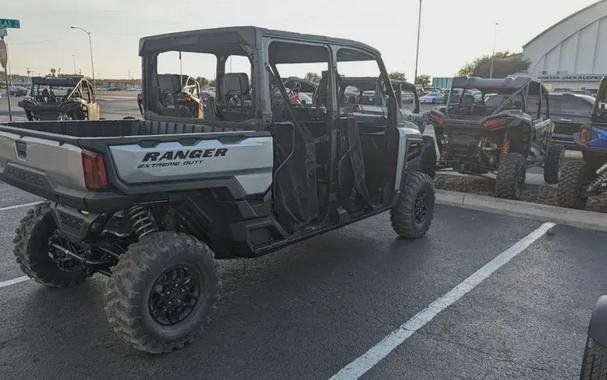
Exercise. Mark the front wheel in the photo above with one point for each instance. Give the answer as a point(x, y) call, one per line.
point(162, 291)
point(511, 175)
point(412, 215)
point(553, 164)
point(594, 363)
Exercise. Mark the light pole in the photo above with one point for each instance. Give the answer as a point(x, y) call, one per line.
point(493, 52)
point(74, 62)
point(91, 49)
point(419, 25)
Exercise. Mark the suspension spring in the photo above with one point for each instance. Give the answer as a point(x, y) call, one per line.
point(142, 220)
point(597, 183)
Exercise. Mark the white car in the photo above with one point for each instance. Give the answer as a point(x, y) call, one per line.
point(432, 97)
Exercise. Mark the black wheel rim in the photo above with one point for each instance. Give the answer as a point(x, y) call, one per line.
point(175, 295)
point(421, 209)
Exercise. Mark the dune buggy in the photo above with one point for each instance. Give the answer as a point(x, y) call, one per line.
point(152, 203)
point(66, 98)
point(588, 177)
point(504, 131)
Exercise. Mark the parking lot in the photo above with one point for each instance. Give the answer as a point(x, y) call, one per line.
point(489, 296)
point(310, 310)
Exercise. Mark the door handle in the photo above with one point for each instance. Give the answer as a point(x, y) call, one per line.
point(21, 148)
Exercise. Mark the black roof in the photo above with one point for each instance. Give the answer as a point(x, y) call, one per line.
point(60, 82)
point(405, 84)
point(513, 83)
point(235, 35)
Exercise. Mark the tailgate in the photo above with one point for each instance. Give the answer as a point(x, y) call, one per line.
point(247, 160)
point(41, 166)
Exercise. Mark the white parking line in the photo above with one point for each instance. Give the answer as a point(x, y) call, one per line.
point(14, 281)
point(369, 359)
point(19, 206)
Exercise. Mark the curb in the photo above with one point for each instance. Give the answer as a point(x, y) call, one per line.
point(565, 216)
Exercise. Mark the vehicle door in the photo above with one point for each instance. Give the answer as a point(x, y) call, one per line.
point(303, 140)
point(366, 163)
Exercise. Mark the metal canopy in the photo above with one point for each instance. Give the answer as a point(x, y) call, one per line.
point(60, 82)
point(231, 38)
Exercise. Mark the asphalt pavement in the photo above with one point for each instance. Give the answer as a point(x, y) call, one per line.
point(309, 310)
point(313, 309)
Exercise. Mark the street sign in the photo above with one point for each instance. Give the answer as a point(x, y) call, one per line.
point(8, 23)
point(3, 55)
point(3, 32)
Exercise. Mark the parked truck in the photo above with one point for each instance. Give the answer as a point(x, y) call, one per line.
point(152, 204)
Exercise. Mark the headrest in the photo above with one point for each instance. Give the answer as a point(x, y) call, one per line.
point(235, 83)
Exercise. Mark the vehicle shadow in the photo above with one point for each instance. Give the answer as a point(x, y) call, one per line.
point(301, 312)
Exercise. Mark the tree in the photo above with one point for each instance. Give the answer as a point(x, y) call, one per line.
point(423, 80)
point(504, 64)
point(397, 75)
point(204, 82)
point(314, 77)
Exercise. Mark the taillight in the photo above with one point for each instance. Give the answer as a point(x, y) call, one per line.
point(585, 136)
point(95, 175)
point(438, 119)
point(494, 122)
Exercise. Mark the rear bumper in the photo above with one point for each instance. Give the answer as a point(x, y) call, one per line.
point(566, 140)
point(37, 183)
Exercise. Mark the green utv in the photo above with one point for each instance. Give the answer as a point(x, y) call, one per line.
point(153, 203)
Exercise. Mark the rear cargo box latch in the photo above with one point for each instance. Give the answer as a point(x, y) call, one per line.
point(21, 150)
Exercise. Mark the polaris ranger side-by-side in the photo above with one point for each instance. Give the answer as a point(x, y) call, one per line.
point(505, 130)
point(152, 203)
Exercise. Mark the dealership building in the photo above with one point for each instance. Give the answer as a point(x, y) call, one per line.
point(572, 54)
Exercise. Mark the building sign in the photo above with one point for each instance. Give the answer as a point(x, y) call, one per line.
point(572, 77)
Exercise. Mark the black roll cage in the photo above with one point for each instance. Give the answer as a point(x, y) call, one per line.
point(523, 91)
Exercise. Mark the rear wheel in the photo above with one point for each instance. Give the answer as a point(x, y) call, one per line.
point(553, 164)
point(511, 175)
point(572, 188)
point(31, 248)
point(412, 215)
point(162, 291)
point(594, 363)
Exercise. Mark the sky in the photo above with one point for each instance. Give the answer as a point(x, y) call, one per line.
point(453, 32)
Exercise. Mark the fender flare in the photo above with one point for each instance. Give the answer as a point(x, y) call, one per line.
point(597, 329)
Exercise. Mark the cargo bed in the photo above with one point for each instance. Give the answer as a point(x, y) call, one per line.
point(142, 159)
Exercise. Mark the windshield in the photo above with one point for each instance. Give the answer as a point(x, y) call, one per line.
point(477, 102)
point(50, 94)
point(210, 81)
point(600, 113)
